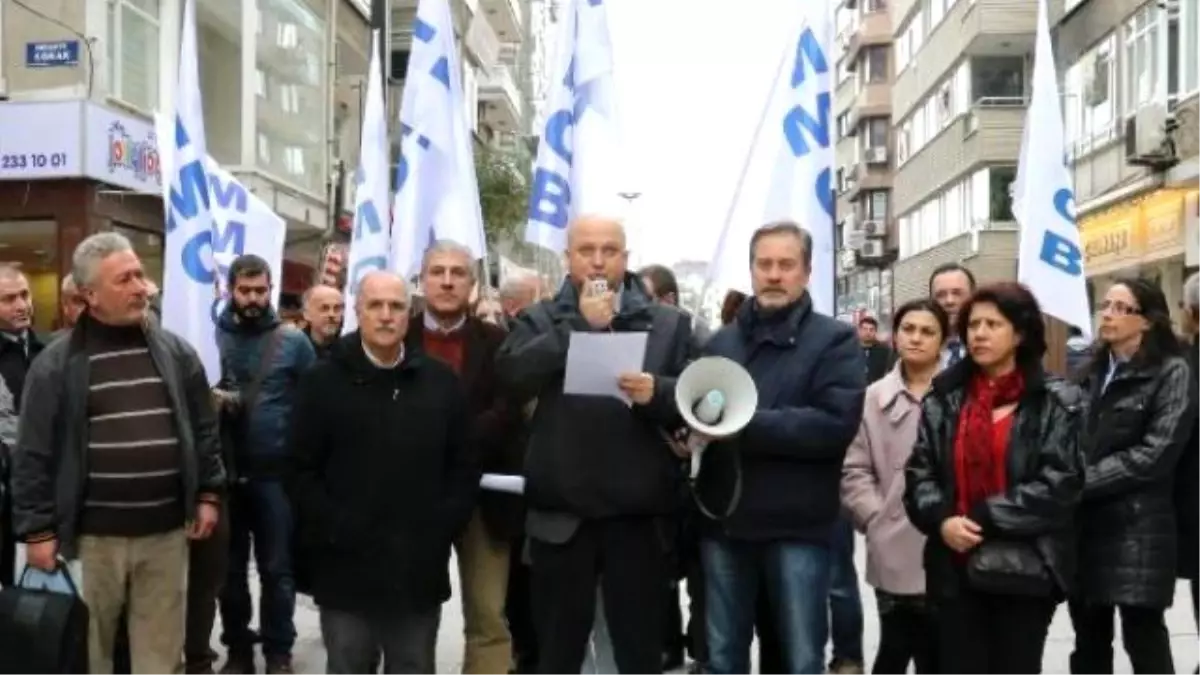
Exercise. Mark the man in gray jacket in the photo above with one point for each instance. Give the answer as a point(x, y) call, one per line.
point(117, 462)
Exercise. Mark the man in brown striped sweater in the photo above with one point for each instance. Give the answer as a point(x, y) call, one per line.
point(117, 461)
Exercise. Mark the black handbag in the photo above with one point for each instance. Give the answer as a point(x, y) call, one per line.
point(1006, 567)
point(43, 631)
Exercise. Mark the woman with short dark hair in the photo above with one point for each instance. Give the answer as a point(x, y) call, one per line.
point(873, 485)
point(1140, 415)
point(993, 482)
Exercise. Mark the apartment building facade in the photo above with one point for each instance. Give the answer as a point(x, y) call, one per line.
point(82, 79)
point(1131, 95)
point(958, 107)
point(865, 153)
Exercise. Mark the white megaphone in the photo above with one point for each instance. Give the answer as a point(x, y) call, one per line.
point(717, 398)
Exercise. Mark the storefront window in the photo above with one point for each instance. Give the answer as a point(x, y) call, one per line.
point(291, 57)
point(219, 38)
point(32, 245)
point(149, 248)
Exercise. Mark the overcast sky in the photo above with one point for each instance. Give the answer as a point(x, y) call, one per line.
point(692, 77)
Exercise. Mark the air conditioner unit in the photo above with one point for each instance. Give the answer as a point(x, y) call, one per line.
point(874, 228)
point(873, 248)
point(1147, 142)
point(876, 155)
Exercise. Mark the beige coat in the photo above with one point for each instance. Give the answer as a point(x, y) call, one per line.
point(873, 486)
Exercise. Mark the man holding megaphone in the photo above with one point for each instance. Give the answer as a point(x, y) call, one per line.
point(599, 477)
point(790, 385)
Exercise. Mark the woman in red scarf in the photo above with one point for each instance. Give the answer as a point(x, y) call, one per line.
point(993, 482)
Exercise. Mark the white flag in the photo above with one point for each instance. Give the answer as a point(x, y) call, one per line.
point(370, 240)
point(576, 163)
point(437, 196)
point(249, 225)
point(190, 287)
point(788, 174)
point(1051, 260)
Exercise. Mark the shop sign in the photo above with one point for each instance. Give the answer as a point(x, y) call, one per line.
point(1109, 239)
point(72, 139)
point(122, 150)
point(1162, 217)
point(40, 140)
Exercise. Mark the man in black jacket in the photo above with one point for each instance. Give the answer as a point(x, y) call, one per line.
point(383, 481)
point(599, 474)
point(90, 484)
point(810, 378)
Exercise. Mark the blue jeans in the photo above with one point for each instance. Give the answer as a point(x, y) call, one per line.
point(259, 510)
point(797, 577)
point(845, 605)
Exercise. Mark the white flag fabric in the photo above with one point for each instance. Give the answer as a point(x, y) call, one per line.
point(437, 195)
point(190, 290)
point(248, 226)
point(1050, 261)
point(576, 167)
point(790, 167)
point(370, 243)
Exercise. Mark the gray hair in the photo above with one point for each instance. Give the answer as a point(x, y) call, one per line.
point(1191, 292)
point(11, 271)
point(518, 285)
point(784, 227)
point(449, 246)
point(68, 285)
point(408, 291)
point(91, 251)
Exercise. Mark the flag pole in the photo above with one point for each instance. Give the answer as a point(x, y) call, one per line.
point(789, 49)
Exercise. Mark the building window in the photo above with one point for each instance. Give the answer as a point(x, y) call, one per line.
point(1000, 179)
point(877, 132)
point(133, 52)
point(843, 127)
point(876, 60)
point(998, 78)
point(1090, 101)
point(1188, 60)
point(876, 5)
point(1141, 59)
point(291, 51)
point(876, 204)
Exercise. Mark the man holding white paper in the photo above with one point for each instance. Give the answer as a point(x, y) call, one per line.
point(599, 475)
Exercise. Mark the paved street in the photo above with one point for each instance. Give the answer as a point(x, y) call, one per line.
point(310, 656)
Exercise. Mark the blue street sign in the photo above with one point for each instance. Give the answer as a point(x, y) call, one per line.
point(52, 54)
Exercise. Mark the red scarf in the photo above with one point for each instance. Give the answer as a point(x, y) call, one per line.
point(979, 469)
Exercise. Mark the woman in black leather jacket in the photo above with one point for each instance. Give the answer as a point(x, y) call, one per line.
point(993, 482)
point(1139, 418)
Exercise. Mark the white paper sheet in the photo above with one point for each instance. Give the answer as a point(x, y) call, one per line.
point(596, 360)
point(502, 482)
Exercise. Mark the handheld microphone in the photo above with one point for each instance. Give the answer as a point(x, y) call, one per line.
point(709, 410)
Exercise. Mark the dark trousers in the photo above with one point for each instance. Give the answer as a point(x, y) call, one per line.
point(519, 612)
point(845, 604)
point(208, 564)
point(1143, 632)
point(207, 561)
point(626, 558)
point(696, 638)
point(259, 511)
point(354, 642)
point(907, 633)
point(987, 633)
point(770, 648)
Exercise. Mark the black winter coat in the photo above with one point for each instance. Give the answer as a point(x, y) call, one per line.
point(1044, 468)
point(1187, 485)
point(382, 480)
point(1134, 433)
